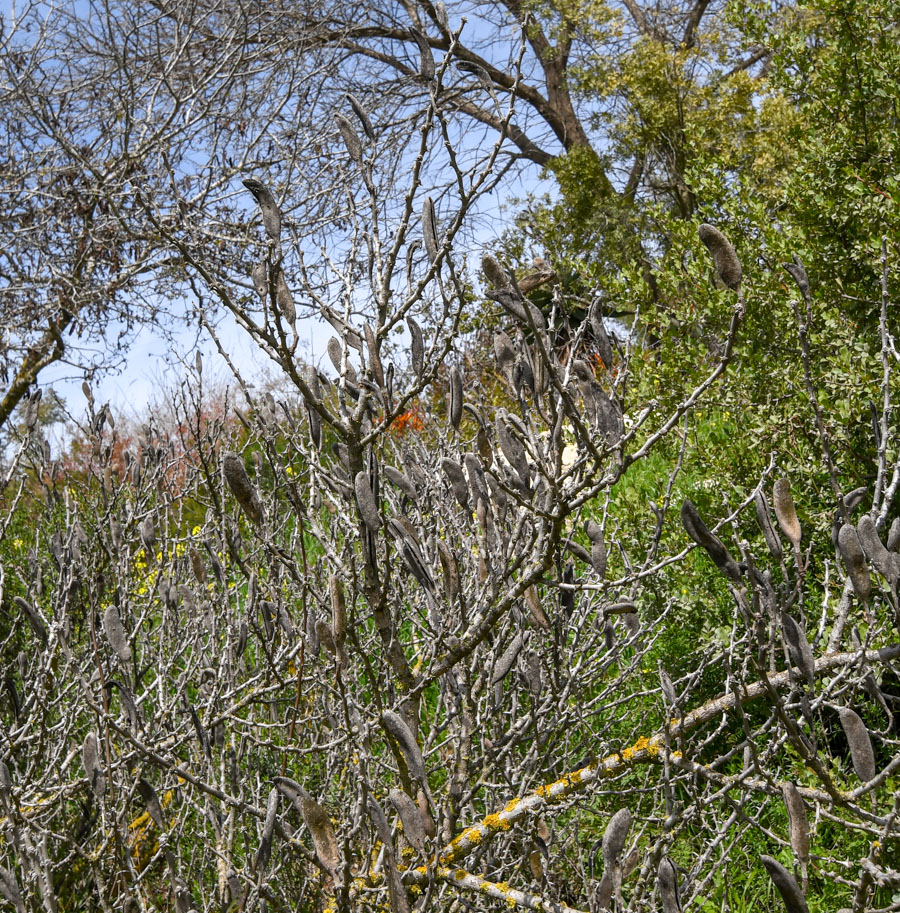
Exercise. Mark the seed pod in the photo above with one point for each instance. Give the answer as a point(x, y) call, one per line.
point(667, 881)
point(365, 499)
point(115, 633)
point(426, 58)
point(265, 843)
point(798, 274)
point(34, 619)
point(316, 819)
point(363, 116)
point(798, 823)
point(284, 299)
point(239, 483)
point(90, 756)
point(614, 838)
point(127, 702)
point(351, 140)
point(374, 358)
point(728, 267)
point(538, 615)
point(450, 571)
point(396, 727)
point(855, 561)
point(5, 783)
point(513, 449)
point(335, 352)
point(429, 229)
point(791, 894)
point(338, 616)
point(456, 397)
point(403, 482)
point(507, 660)
point(9, 890)
point(271, 214)
point(598, 548)
point(505, 353)
point(197, 565)
point(259, 275)
point(417, 347)
point(893, 540)
point(425, 815)
point(454, 473)
point(325, 637)
point(601, 337)
point(712, 544)
point(799, 648)
point(765, 524)
point(886, 563)
point(668, 689)
point(379, 819)
point(786, 512)
point(860, 743)
point(411, 819)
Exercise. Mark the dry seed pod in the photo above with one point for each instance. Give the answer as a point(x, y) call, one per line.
point(34, 619)
point(786, 512)
point(241, 487)
point(379, 819)
point(374, 357)
point(477, 480)
point(504, 352)
point(335, 352)
point(115, 633)
point(151, 800)
point(494, 272)
point(614, 838)
point(338, 613)
point(284, 299)
point(426, 58)
point(861, 752)
point(667, 882)
point(712, 544)
point(456, 397)
point(728, 267)
point(801, 651)
point(9, 890)
point(411, 819)
point(351, 140)
point(798, 274)
point(316, 819)
point(90, 756)
point(855, 561)
point(265, 843)
point(396, 727)
point(598, 548)
point(797, 821)
point(417, 347)
point(507, 660)
point(271, 214)
point(325, 637)
point(454, 473)
point(403, 482)
point(429, 229)
point(601, 337)
point(259, 275)
point(365, 500)
point(886, 562)
point(893, 539)
point(791, 894)
point(5, 783)
point(450, 571)
point(765, 524)
point(425, 814)
point(363, 116)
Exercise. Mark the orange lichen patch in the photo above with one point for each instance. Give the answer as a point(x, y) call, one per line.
point(510, 807)
point(496, 823)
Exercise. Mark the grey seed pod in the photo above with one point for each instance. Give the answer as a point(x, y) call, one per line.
point(325, 637)
point(411, 819)
point(477, 479)
point(286, 623)
point(667, 882)
point(798, 274)
point(115, 530)
point(601, 337)
point(429, 229)
point(598, 548)
point(494, 272)
point(363, 116)
point(426, 58)
point(440, 13)
point(513, 449)
point(379, 819)
point(259, 275)
point(128, 703)
point(365, 500)
point(265, 842)
point(403, 482)
point(456, 397)
point(579, 551)
point(886, 562)
point(614, 838)
point(316, 819)
point(632, 623)
point(271, 214)
point(893, 539)
point(786, 512)
point(197, 565)
point(241, 487)
point(90, 756)
point(861, 752)
point(151, 800)
point(417, 347)
point(798, 822)
point(533, 673)
point(454, 473)
point(793, 898)
point(396, 727)
point(115, 633)
point(374, 358)
point(148, 537)
point(350, 138)
point(267, 609)
point(505, 353)
point(536, 611)
point(725, 260)
point(5, 783)
point(765, 524)
point(284, 299)
point(338, 616)
point(291, 790)
point(668, 689)
point(855, 561)
point(800, 650)
point(712, 544)
point(425, 814)
point(508, 659)
point(9, 890)
point(450, 571)
point(335, 353)
point(34, 619)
